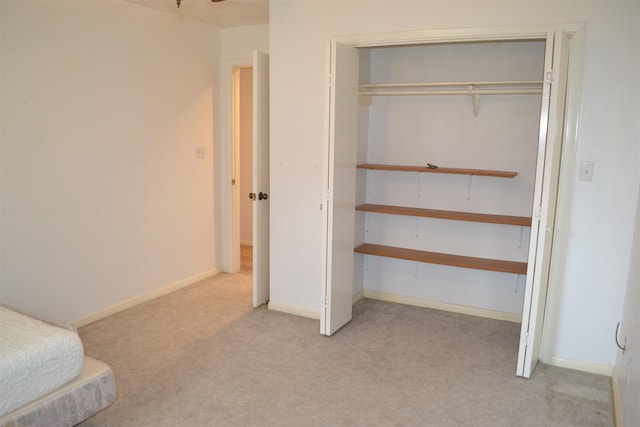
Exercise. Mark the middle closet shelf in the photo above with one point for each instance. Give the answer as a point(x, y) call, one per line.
point(443, 259)
point(442, 214)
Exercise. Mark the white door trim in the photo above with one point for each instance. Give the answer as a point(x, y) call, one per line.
point(572, 116)
point(444, 35)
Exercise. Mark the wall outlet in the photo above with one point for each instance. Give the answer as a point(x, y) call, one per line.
point(586, 171)
point(199, 152)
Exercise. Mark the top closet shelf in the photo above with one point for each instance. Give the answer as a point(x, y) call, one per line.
point(523, 87)
point(457, 171)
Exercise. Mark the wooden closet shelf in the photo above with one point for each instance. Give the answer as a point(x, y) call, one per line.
point(453, 215)
point(457, 171)
point(444, 259)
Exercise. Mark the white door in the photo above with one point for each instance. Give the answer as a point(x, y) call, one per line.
point(260, 193)
point(544, 201)
point(340, 182)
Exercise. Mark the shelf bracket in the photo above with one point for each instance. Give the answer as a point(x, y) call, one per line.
point(521, 237)
point(474, 100)
point(364, 100)
point(366, 223)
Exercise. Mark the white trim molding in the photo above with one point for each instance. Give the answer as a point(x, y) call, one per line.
point(140, 299)
point(578, 365)
point(357, 297)
point(617, 405)
point(452, 35)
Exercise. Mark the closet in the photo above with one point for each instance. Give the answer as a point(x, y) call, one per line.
point(446, 155)
point(446, 165)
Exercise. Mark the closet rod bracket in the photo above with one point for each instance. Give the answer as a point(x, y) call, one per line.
point(474, 99)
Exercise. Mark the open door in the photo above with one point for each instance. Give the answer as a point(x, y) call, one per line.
point(544, 202)
point(260, 196)
point(339, 212)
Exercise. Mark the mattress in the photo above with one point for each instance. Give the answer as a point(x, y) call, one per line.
point(35, 359)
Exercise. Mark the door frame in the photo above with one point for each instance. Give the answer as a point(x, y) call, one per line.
point(231, 251)
point(569, 143)
point(232, 255)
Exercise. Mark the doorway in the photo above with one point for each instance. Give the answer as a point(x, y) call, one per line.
point(250, 176)
point(243, 140)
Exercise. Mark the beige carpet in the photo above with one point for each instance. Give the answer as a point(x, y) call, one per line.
point(246, 259)
point(203, 357)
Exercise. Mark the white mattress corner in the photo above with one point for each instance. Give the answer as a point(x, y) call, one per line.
point(35, 359)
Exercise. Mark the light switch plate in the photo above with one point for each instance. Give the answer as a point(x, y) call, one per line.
point(586, 171)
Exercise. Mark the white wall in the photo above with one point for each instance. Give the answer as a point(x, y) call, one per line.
point(237, 45)
point(602, 213)
point(103, 199)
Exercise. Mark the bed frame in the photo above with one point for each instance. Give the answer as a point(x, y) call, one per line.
point(89, 393)
point(74, 402)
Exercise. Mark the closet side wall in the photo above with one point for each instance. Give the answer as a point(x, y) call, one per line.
point(361, 182)
point(442, 130)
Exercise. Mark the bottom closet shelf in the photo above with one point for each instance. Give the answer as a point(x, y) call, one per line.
point(445, 259)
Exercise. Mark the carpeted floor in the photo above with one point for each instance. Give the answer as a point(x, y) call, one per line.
point(203, 357)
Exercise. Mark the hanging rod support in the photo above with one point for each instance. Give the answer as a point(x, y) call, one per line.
point(474, 99)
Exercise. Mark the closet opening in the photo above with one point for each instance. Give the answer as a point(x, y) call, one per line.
point(444, 164)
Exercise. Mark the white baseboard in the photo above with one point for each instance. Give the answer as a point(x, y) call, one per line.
point(617, 408)
point(292, 309)
point(461, 309)
point(116, 308)
point(593, 368)
point(304, 312)
point(357, 297)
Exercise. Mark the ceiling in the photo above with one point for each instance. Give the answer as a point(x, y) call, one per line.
point(222, 14)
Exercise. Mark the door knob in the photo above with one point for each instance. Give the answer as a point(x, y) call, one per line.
point(252, 196)
point(263, 196)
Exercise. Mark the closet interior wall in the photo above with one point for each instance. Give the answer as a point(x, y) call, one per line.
point(500, 133)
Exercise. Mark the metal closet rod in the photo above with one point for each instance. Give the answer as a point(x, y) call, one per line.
point(523, 87)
